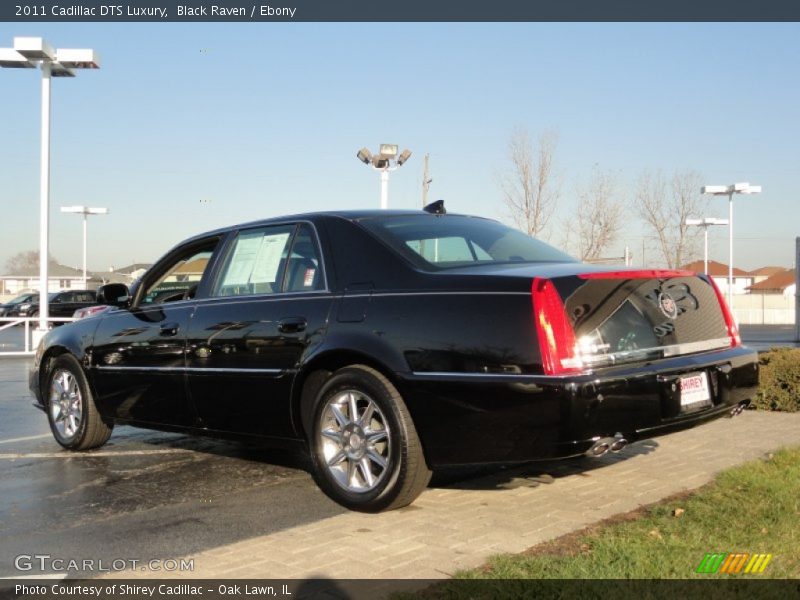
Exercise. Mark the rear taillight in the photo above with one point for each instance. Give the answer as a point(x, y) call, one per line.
point(556, 335)
point(733, 330)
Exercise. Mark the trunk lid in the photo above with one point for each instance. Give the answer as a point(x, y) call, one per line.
point(626, 316)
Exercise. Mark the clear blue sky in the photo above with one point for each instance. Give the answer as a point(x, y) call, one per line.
point(265, 119)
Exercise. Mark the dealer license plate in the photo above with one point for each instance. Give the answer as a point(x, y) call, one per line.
point(694, 389)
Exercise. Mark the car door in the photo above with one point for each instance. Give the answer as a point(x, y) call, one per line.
point(268, 306)
point(59, 305)
point(138, 362)
point(82, 300)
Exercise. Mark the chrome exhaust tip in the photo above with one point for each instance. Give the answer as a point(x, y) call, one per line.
point(618, 444)
point(739, 408)
point(600, 447)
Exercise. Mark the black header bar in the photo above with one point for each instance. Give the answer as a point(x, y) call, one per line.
point(50, 11)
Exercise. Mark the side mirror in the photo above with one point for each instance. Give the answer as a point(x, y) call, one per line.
point(114, 294)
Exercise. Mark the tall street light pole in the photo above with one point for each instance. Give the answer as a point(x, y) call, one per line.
point(705, 224)
point(383, 162)
point(729, 191)
point(28, 53)
point(85, 211)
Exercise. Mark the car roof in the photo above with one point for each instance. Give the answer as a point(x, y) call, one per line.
point(349, 215)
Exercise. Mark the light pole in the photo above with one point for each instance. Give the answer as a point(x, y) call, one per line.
point(85, 211)
point(729, 191)
point(383, 162)
point(28, 53)
point(705, 224)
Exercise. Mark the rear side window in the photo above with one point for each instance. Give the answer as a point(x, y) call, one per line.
point(270, 260)
point(450, 241)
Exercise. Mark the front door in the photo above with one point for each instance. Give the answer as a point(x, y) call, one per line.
point(138, 359)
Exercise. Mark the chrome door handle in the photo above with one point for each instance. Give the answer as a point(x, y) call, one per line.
point(169, 329)
point(292, 325)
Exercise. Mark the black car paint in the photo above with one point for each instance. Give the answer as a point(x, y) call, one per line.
point(7, 307)
point(61, 304)
point(460, 345)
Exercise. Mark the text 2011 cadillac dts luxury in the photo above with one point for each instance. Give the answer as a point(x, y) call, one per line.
point(391, 343)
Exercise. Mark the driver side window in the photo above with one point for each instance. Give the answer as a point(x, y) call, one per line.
point(181, 279)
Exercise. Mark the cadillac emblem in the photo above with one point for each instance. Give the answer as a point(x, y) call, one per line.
point(667, 305)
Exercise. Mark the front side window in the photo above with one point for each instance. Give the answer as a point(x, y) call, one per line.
point(181, 279)
point(451, 241)
point(270, 260)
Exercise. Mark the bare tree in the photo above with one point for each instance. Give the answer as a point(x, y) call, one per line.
point(530, 188)
point(664, 205)
point(599, 216)
point(26, 262)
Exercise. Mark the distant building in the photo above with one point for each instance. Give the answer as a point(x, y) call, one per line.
point(60, 277)
point(783, 282)
point(763, 273)
point(718, 271)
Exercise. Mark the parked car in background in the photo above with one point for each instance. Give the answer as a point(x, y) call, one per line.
point(6, 307)
point(391, 343)
point(62, 304)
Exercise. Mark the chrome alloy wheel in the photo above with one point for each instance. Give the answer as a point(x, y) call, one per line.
point(355, 440)
point(66, 403)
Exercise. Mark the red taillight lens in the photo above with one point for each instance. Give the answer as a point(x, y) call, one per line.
point(555, 333)
point(733, 330)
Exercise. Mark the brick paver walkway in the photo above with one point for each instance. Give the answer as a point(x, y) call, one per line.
point(461, 525)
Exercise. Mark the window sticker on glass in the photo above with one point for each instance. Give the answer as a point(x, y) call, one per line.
point(256, 259)
point(308, 280)
point(268, 259)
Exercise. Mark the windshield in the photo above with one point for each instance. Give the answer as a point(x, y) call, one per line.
point(21, 299)
point(451, 241)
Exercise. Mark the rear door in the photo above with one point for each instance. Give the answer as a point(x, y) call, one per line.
point(269, 306)
point(138, 360)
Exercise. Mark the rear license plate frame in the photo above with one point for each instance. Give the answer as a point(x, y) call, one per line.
point(694, 391)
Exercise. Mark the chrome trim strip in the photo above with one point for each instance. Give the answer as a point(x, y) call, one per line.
point(245, 298)
point(491, 376)
point(194, 370)
point(438, 293)
point(692, 347)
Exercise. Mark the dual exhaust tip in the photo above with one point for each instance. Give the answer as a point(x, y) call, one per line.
point(739, 408)
point(603, 445)
point(617, 443)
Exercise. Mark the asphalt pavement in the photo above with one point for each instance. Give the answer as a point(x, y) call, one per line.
point(143, 496)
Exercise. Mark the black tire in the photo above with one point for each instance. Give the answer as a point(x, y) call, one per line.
point(405, 473)
point(65, 383)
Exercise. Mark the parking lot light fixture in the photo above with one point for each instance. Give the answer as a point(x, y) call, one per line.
point(382, 161)
point(30, 52)
point(729, 191)
point(705, 224)
point(85, 211)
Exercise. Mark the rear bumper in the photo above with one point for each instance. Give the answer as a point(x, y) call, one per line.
point(483, 418)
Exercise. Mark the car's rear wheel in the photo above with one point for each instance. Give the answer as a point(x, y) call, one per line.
point(74, 420)
point(365, 448)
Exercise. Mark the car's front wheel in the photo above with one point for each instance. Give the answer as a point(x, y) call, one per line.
point(365, 448)
point(74, 420)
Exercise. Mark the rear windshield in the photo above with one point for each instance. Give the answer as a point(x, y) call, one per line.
point(451, 241)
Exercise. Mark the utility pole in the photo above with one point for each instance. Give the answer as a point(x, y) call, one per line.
point(426, 182)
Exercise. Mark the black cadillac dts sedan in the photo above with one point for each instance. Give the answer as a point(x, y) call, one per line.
point(392, 343)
